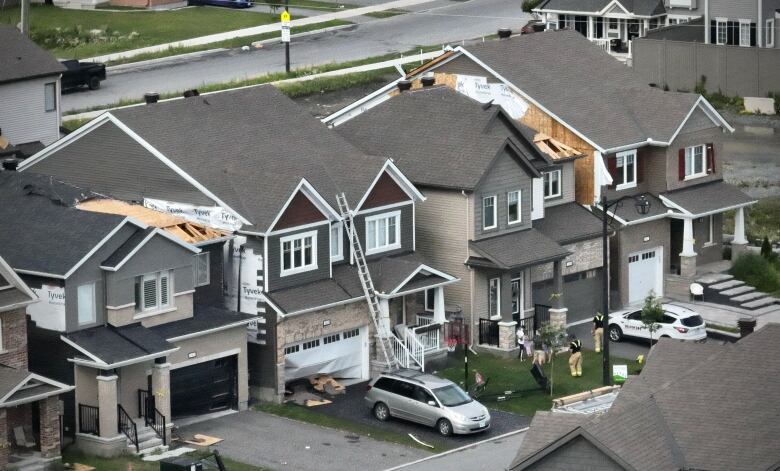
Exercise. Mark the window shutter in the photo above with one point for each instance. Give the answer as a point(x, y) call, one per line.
point(732, 33)
point(681, 164)
point(752, 34)
point(713, 32)
point(164, 290)
point(612, 167)
point(150, 293)
point(640, 168)
point(710, 158)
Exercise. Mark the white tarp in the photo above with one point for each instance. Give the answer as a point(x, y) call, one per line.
point(341, 359)
point(214, 216)
point(49, 311)
point(479, 89)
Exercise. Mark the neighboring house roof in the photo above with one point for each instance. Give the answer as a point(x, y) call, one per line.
point(205, 320)
point(692, 31)
point(516, 249)
point(568, 223)
point(19, 386)
point(14, 293)
point(22, 59)
point(439, 137)
point(110, 347)
point(664, 419)
point(700, 200)
point(635, 7)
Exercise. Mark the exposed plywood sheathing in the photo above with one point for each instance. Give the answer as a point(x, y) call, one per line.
point(556, 149)
point(430, 64)
point(178, 227)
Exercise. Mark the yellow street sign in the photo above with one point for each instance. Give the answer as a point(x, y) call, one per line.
point(285, 16)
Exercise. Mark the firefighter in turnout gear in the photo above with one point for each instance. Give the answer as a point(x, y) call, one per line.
point(575, 360)
point(598, 331)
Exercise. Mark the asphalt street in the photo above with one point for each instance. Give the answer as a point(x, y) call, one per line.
point(441, 23)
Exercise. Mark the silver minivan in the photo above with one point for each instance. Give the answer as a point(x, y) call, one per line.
point(428, 400)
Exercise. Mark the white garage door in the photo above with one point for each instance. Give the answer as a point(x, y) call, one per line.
point(645, 274)
point(341, 355)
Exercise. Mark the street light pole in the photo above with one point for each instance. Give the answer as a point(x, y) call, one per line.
point(287, 43)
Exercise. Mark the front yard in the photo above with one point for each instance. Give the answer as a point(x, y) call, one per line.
point(87, 33)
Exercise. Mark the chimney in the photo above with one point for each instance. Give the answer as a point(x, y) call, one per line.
point(746, 326)
point(191, 93)
point(427, 81)
point(504, 33)
point(404, 85)
point(150, 98)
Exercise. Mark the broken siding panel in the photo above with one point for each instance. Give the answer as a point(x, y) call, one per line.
point(504, 176)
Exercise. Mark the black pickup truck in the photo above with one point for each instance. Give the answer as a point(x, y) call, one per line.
point(83, 73)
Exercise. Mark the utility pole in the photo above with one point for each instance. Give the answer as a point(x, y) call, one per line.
point(25, 17)
point(286, 35)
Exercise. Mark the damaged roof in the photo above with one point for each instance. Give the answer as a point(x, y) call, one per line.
point(21, 58)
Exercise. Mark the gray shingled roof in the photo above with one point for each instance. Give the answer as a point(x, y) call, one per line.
point(707, 412)
point(35, 207)
point(518, 249)
point(692, 31)
point(10, 378)
point(583, 80)
point(118, 344)
point(127, 247)
point(437, 136)
point(22, 59)
point(203, 319)
point(253, 146)
point(568, 223)
point(709, 197)
point(637, 7)
point(13, 291)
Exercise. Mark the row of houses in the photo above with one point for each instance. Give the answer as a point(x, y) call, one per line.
point(189, 256)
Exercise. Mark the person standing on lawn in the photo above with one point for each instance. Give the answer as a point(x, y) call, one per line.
point(575, 360)
point(598, 331)
point(520, 342)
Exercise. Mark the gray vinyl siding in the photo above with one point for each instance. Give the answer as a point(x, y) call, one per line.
point(406, 230)
point(276, 281)
point(567, 185)
point(211, 294)
point(712, 135)
point(106, 160)
point(504, 176)
point(22, 115)
point(577, 454)
point(708, 253)
point(734, 9)
point(159, 254)
point(482, 277)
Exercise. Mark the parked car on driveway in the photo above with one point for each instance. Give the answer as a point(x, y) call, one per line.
point(83, 73)
point(678, 322)
point(533, 26)
point(428, 400)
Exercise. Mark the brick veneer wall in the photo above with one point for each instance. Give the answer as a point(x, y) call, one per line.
point(14, 352)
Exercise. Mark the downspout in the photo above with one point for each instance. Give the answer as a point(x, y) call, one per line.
point(471, 273)
point(760, 25)
point(238, 285)
point(105, 297)
point(707, 26)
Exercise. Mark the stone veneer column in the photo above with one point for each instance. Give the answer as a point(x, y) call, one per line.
point(161, 388)
point(107, 401)
point(507, 335)
point(5, 444)
point(50, 427)
point(558, 311)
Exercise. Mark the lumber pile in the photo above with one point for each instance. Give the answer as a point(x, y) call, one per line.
point(325, 383)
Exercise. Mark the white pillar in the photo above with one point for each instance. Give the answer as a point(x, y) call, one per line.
point(384, 318)
point(646, 27)
point(739, 227)
point(688, 240)
point(438, 305)
point(591, 28)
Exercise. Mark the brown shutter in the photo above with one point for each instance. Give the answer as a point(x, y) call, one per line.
point(710, 158)
point(612, 167)
point(640, 168)
point(681, 164)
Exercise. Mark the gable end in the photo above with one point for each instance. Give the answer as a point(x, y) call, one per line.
point(385, 192)
point(299, 212)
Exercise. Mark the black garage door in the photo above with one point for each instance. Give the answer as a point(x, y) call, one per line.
point(206, 387)
point(581, 294)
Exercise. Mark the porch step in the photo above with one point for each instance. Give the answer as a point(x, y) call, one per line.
point(761, 302)
point(711, 278)
point(726, 285)
point(766, 309)
point(146, 434)
point(748, 296)
point(738, 290)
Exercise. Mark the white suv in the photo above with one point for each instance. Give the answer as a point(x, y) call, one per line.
point(678, 323)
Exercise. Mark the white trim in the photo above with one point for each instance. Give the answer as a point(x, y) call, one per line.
point(17, 283)
point(694, 175)
point(498, 297)
point(39, 273)
point(72, 137)
point(297, 228)
point(93, 315)
point(303, 268)
point(385, 207)
point(687, 214)
point(625, 155)
point(315, 308)
point(387, 247)
point(560, 184)
point(182, 293)
point(63, 388)
point(265, 263)
point(144, 315)
point(519, 207)
point(417, 290)
point(334, 119)
point(671, 204)
point(82, 350)
point(123, 306)
point(106, 366)
point(769, 32)
point(339, 226)
point(310, 192)
point(648, 219)
point(199, 360)
point(210, 331)
point(495, 212)
point(418, 270)
point(197, 270)
point(718, 21)
point(742, 23)
point(100, 244)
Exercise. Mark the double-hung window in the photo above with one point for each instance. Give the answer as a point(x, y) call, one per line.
point(695, 166)
point(153, 291)
point(383, 232)
point(770, 33)
point(552, 184)
point(336, 251)
point(50, 96)
point(494, 297)
point(202, 269)
point(626, 170)
point(86, 303)
point(299, 253)
point(489, 217)
point(721, 31)
point(514, 207)
point(744, 33)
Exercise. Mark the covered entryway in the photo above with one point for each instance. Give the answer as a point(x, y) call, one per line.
point(645, 274)
point(205, 387)
point(341, 355)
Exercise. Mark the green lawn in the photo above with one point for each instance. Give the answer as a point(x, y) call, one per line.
point(128, 462)
point(69, 33)
point(512, 374)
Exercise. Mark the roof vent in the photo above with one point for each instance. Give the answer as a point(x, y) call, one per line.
point(504, 33)
point(191, 93)
point(428, 81)
point(150, 98)
point(404, 85)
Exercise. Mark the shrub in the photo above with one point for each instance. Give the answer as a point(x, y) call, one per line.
point(766, 248)
point(757, 271)
point(529, 5)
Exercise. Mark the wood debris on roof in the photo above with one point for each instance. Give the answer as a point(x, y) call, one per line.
point(431, 63)
point(188, 231)
point(554, 148)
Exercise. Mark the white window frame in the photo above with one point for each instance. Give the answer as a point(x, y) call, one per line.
point(301, 236)
point(612, 33)
point(710, 231)
point(339, 228)
point(519, 219)
point(158, 303)
point(498, 297)
point(432, 293)
point(520, 295)
point(495, 212)
point(625, 155)
point(79, 299)
point(384, 248)
point(746, 25)
point(547, 183)
point(721, 25)
point(770, 33)
point(198, 257)
point(53, 87)
point(690, 151)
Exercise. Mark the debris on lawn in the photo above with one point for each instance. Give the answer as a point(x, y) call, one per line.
point(202, 440)
point(167, 454)
point(420, 441)
point(300, 394)
point(315, 402)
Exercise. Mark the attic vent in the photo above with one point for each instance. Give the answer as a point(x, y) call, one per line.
point(404, 85)
point(428, 81)
point(504, 33)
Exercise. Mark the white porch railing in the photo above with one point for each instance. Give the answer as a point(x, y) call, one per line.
point(602, 43)
point(416, 349)
point(430, 339)
point(400, 351)
point(408, 351)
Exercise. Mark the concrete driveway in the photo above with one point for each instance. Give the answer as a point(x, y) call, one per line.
point(277, 443)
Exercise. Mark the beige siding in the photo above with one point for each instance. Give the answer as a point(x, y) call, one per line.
point(131, 379)
point(22, 114)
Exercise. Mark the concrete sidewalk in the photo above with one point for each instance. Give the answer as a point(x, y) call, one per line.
point(722, 314)
point(255, 30)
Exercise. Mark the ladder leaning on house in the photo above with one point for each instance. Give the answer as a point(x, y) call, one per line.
point(391, 359)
